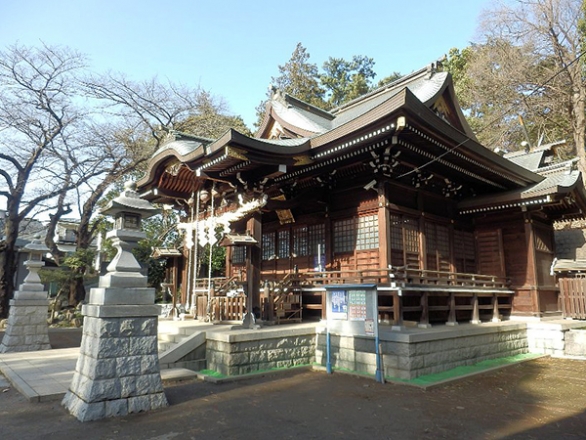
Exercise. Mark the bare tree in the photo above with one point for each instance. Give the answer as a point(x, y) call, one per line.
point(534, 49)
point(56, 156)
point(37, 117)
point(117, 155)
point(151, 106)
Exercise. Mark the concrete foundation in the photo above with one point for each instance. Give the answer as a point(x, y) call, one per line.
point(406, 354)
point(248, 351)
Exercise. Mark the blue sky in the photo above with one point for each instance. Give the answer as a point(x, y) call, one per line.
point(232, 48)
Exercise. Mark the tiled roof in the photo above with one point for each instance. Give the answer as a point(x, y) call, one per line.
point(424, 84)
point(567, 265)
point(182, 143)
point(532, 161)
point(551, 184)
point(302, 118)
point(424, 87)
point(560, 183)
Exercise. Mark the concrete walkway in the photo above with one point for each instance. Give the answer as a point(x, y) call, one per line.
point(40, 375)
point(45, 375)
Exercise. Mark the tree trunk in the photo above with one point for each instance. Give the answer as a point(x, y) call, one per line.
point(77, 288)
point(579, 120)
point(8, 263)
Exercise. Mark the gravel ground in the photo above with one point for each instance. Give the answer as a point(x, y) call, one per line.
point(540, 399)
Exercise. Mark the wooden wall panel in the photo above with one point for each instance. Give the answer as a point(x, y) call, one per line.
point(516, 256)
point(489, 246)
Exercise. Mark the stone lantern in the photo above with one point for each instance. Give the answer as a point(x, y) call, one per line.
point(128, 211)
point(118, 371)
point(27, 328)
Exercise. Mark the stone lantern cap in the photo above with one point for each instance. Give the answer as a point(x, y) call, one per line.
point(36, 246)
point(129, 202)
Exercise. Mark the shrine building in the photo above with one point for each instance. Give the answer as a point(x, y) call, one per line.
point(390, 189)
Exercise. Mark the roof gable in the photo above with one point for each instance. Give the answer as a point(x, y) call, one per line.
point(287, 116)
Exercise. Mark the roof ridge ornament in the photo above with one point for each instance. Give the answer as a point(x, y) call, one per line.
point(434, 67)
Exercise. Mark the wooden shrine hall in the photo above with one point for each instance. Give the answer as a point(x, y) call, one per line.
point(392, 189)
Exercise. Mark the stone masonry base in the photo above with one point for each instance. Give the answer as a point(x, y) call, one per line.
point(409, 354)
point(249, 351)
point(107, 380)
point(26, 328)
point(406, 353)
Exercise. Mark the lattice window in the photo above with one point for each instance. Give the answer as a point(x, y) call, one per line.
point(345, 235)
point(411, 239)
point(238, 254)
point(356, 233)
point(396, 232)
point(268, 246)
point(367, 232)
point(442, 241)
point(300, 241)
point(464, 244)
point(404, 234)
point(283, 244)
point(404, 241)
point(430, 238)
point(317, 238)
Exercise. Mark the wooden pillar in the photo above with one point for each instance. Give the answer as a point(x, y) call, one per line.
point(397, 311)
point(384, 227)
point(253, 261)
point(496, 317)
point(531, 278)
point(424, 320)
point(475, 312)
point(452, 313)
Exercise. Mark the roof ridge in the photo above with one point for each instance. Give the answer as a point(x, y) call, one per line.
point(429, 69)
point(288, 99)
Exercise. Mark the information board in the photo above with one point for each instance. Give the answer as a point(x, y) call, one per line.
point(352, 309)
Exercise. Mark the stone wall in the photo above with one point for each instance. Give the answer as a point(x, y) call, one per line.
point(243, 352)
point(409, 355)
point(556, 338)
point(406, 354)
point(575, 343)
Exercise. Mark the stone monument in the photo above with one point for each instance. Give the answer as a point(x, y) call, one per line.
point(27, 328)
point(117, 371)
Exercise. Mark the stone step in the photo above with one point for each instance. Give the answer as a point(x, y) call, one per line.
point(172, 333)
point(177, 375)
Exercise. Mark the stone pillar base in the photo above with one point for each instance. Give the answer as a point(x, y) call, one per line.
point(26, 328)
point(117, 371)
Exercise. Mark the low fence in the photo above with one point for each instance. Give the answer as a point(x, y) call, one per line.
point(573, 295)
point(222, 308)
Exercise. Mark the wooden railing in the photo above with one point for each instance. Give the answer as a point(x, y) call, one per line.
point(407, 293)
point(201, 284)
point(404, 276)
